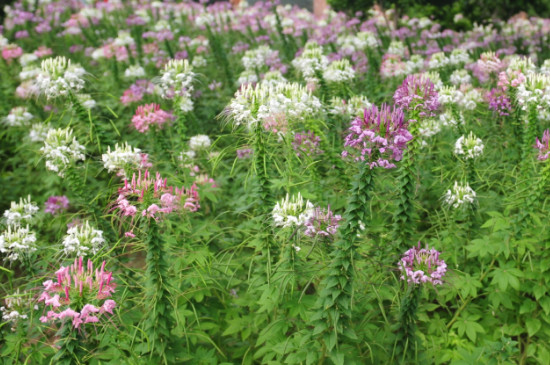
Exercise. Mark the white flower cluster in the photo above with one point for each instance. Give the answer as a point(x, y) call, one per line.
point(39, 132)
point(29, 72)
point(59, 77)
point(20, 212)
point(534, 91)
point(27, 58)
point(447, 119)
point(198, 61)
point(86, 101)
point(254, 104)
point(469, 147)
point(359, 42)
point(14, 306)
point(134, 72)
point(449, 95)
point(397, 48)
point(435, 78)
point(124, 39)
point(339, 71)
point(438, 60)
point(459, 196)
point(177, 81)
point(18, 117)
point(414, 64)
point(61, 149)
point(355, 106)
point(247, 77)
point(311, 61)
point(429, 127)
point(470, 99)
point(205, 19)
point(255, 59)
point(17, 242)
point(273, 78)
point(83, 239)
point(458, 57)
point(121, 159)
point(292, 211)
point(545, 68)
point(199, 142)
point(459, 77)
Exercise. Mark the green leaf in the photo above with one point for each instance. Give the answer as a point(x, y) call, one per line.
point(533, 326)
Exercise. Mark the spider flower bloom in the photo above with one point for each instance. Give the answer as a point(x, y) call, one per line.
point(150, 115)
point(417, 93)
point(121, 159)
point(17, 243)
point(379, 137)
point(459, 196)
point(339, 72)
point(422, 265)
point(56, 204)
point(79, 293)
point(177, 81)
point(61, 149)
point(543, 146)
point(323, 222)
point(59, 77)
point(20, 212)
point(469, 147)
point(292, 211)
point(18, 117)
point(306, 144)
point(499, 101)
point(81, 239)
point(11, 51)
point(150, 196)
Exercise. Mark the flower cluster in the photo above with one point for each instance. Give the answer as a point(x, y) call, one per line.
point(122, 159)
point(379, 137)
point(311, 62)
point(323, 222)
point(150, 115)
point(339, 72)
point(82, 239)
point(15, 306)
point(459, 196)
point(56, 204)
point(417, 93)
point(422, 265)
point(469, 147)
point(61, 149)
point(18, 117)
point(150, 196)
point(355, 106)
point(176, 81)
point(292, 211)
point(543, 146)
point(59, 77)
point(21, 212)
point(79, 294)
point(199, 142)
point(306, 144)
point(17, 242)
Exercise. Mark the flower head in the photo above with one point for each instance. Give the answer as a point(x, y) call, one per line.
point(306, 144)
point(459, 196)
point(18, 117)
point(379, 137)
point(20, 212)
point(82, 239)
point(469, 147)
point(61, 149)
point(543, 146)
point(292, 211)
point(59, 77)
point(417, 93)
point(121, 159)
point(199, 142)
point(17, 243)
point(339, 71)
point(323, 222)
point(79, 293)
point(56, 204)
point(422, 265)
point(150, 115)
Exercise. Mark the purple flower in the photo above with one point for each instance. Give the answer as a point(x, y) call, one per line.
point(306, 144)
point(422, 265)
point(499, 101)
point(322, 223)
point(244, 153)
point(543, 146)
point(56, 204)
point(379, 137)
point(417, 93)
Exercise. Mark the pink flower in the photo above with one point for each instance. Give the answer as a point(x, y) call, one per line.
point(56, 204)
point(11, 51)
point(543, 146)
point(148, 115)
point(108, 306)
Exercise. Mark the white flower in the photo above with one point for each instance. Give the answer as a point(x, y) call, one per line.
point(449, 95)
point(273, 78)
point(134, 72)
point(176, 81)
point(121, 159)
point(247, 77)
point(339, 71)
point(124, 39)
point(83, 239)
point(414, 64)
point(86, 101)
point(39, 132)
point(198, 61)
point(17, 242)
point(292, 212)
point(205, 19)
point(199, 142)
point(20, 212)
point(469, 147)
point(255, 59)
point(397, 48)
point(459, 77)
point(429, 127)
point(438, 60)
point(311, 61)
point(18, 117)
point(27, 58)
point(59, 77)
point(459, 56)
point(459, 195)
point(61, 149)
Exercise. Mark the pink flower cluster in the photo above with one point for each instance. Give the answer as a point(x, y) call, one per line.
point(379, 137)
point(306, 144)
point(422, 265)
point(151, 196)
point(543, 146)
point(56, 204)
point(323, 222)
point(136, 91)
point(11, 51)
point(148, 115)
point(75, 286)
point(417, 93)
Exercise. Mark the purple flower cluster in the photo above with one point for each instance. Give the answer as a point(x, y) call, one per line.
point(323, 222)
point(379, 137)
point(543, 146)
point(417, 93)
point(422, 265)
point(56, 204)
point(306, 144)
point(499, 101)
